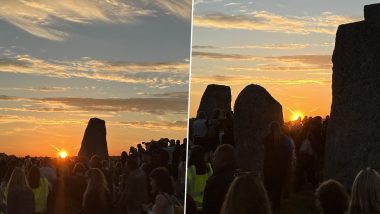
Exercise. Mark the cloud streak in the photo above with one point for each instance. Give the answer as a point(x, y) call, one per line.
point(50, 19)
point(326, 23)
point(157, 125)
point(159, 104)
point(323, 61)
point(241, 79)
point(223, 56)
point(154, 74)
point(290, 46)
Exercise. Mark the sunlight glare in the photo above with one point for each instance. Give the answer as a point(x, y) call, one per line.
point(297, 115)
point(62, 154)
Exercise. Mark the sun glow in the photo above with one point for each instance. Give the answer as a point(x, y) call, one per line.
point(297, 115)
point(62, 154)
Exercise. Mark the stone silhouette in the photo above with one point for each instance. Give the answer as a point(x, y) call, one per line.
point(254, 110)
point(94, 140)
point(353, 137)
point(215, 96)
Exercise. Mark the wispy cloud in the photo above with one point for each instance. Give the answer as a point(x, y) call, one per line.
point(6, 119)
point(154, 74)
point(289, 46)
point(223, 56)
point(5, 97)
point(204, 47)
point(157, 125)
point(159, 104)
point(241, 79)
point(38, 89)
point(326, 23)
point(232, 4)
point(150, 105)
point(179, 8)
point(283, 46)
point(321, 60)
point(50, 19)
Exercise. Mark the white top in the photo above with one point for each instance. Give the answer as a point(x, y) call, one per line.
point(163, 201)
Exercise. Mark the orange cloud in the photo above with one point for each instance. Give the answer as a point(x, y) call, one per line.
point(326, 23)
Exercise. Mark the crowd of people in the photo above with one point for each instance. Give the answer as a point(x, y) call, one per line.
point(143, 180)
point(293, 161)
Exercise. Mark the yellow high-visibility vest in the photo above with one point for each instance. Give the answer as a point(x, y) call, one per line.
point(40, 196)
point(196, 184)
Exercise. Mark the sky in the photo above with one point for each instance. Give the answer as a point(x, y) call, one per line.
point(64, 62)
point(284, 46)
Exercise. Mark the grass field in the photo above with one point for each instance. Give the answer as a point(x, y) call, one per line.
point(302, 202)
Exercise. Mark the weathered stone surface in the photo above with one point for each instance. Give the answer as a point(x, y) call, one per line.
point(94, 140)
point(215, 96)
point(353, 138)
point(372, 12)
point(254, 110)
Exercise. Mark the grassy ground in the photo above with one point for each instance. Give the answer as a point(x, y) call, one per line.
point(302, 202)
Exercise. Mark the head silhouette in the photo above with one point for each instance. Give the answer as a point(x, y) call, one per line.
point(332, 198)
point(246, 195)
point(365, 196)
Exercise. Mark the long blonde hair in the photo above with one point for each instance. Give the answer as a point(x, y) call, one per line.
point(365, 196)
point(96, 184)
point(18, 180)
point(246, 195)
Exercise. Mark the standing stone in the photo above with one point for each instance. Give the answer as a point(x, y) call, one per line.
point(215, 97)
point(353, 137)
point(94, 140)
point(254, 110)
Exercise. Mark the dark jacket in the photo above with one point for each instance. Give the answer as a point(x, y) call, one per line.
point(20, 201)
point(93, 204)
point(216, 189)
point(76, 186)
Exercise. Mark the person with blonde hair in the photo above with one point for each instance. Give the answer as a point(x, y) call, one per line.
point(365, 196)
point(246, 195)
point(96, 198)
point(20, 198)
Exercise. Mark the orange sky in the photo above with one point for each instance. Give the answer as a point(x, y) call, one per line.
point(285, 47)
point(47, 139)
point(64, 62)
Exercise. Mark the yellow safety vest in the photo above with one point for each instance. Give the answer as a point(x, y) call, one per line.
point(40, 196)
point(197, 184)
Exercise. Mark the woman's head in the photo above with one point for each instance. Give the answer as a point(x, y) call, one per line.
point(332, 197)
point(224, 157)
point(365, 196)
point(96, 180)
point(79, 169)
point(161, 181)
point(34, 177)
point(18, 179)
point(246, 195)
point(96, 185)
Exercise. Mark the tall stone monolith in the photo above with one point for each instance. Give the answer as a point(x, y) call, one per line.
point(254, 110)
point(215, 97)
point(94, 140)
point(353, 138)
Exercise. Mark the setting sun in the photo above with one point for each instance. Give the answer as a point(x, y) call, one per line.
point(296, 115)
point(62, 154)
